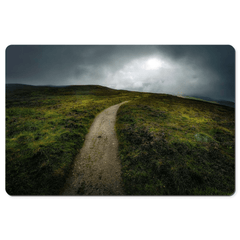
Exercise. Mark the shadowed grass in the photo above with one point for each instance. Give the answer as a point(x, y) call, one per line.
point(168, 145)
point(175, 146)
point(45, 128)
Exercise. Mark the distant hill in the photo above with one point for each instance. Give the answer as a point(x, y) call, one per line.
point(14, 86)
point(221, 102)
point(226, 103)
point(11, 87)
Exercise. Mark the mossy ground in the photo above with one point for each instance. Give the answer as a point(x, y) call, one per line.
point(167, 145)
point(175, 146)
point(45, 128)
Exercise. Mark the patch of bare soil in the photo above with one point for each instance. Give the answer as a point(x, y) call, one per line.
point(97, 168)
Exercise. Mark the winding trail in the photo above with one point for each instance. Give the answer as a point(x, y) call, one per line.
point(97, 168)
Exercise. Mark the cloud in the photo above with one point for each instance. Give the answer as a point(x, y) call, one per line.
point(200, 70)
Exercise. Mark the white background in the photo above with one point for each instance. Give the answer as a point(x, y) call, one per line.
point(118, 22)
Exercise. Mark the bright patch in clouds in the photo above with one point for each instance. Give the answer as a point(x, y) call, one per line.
point(153, 64)
point(136, 75)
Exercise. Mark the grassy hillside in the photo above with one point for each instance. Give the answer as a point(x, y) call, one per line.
point(168, 145)
point(207, 99)
point(176, 146)
point(45, 128)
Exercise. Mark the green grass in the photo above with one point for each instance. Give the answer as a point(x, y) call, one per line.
point(176, 146)
point(45, 129)
point(167, 145)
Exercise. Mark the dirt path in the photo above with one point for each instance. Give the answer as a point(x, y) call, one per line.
point(97, 169)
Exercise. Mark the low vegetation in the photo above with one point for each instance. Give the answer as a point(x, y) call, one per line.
point(167, 145)
point(45, 128)
point(174, 146)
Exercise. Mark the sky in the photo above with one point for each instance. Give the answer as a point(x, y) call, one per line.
point(194, 70)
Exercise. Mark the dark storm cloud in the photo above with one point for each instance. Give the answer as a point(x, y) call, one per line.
point(41, 64)
point(218, 60)
point(214, 57)
point(199, 70)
